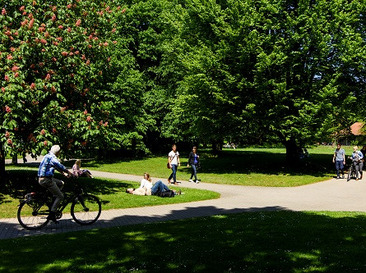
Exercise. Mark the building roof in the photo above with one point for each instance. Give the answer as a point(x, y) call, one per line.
point(356, 128)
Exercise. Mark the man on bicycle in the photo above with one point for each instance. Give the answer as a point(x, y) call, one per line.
point(46, 178)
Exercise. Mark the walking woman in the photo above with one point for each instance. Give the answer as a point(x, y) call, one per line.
point(193, 160)
point(174, 162)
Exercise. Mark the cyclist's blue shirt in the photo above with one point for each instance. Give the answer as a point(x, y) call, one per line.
point(48, 165)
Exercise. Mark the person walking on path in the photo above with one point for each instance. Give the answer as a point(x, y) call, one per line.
point(339, 158)
point(193, 160)
point(357, 161)
point(174, 162)
point(45, 178)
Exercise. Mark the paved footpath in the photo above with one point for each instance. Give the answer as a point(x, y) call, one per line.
point(332, 195)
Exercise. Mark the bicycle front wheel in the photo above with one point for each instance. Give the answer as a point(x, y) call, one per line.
point(86, 209)
point(32, 215)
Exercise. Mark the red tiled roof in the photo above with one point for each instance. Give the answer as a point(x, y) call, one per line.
point(356, 128)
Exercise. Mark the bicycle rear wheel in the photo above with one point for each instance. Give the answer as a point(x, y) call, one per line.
point(32, 215)
point(86, 209)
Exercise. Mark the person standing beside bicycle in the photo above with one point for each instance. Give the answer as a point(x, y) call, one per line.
point(46, 178)
point(339, 159)
point(357, 161)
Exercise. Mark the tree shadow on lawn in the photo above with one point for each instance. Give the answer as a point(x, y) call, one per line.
point(262, 162)
point(254, 241)
point(21, 182)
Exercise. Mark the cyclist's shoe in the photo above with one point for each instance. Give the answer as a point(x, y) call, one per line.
point(52, 217)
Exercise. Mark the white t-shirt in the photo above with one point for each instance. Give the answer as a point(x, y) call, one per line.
point(146, 183)
point(173, 157)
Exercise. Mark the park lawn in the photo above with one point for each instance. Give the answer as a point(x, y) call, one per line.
point(249, 167)
point(281, 241)
point(111, 192)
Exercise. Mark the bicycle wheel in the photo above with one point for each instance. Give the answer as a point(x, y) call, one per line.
point(86, 209)
point(32, 215)
point(349, 175)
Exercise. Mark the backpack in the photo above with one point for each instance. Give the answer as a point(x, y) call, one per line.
point(169, 193)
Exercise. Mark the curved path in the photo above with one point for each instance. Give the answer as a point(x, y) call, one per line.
point(332, 195)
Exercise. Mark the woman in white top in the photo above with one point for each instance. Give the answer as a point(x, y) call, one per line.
point(147, 188)
point(174, 162)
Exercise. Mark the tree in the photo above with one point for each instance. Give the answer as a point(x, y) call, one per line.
point(56, 77)
point(287, 69)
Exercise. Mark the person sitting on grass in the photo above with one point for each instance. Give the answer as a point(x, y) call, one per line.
point(77, 171)
point(148, 188)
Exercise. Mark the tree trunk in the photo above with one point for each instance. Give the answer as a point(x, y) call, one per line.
point(2, 166)
point(292, 152)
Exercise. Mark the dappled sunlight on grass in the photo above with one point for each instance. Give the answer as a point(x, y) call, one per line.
point(248, 242)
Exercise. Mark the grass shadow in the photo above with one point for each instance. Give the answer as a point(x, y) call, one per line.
point(271, 241)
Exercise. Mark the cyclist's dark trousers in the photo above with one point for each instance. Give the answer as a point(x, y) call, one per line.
point(54, 186)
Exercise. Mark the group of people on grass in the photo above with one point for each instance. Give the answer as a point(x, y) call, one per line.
point(357, 157)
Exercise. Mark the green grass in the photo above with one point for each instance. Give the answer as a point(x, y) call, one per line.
point(111, 192)
point(249, 166)
point(280, 241)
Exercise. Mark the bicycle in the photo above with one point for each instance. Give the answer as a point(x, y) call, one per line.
point(35, 207)
point(352, 172)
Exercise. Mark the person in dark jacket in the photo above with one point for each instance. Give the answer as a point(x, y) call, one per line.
point(193, 160)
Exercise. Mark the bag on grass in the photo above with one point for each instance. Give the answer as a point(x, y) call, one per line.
point(169, 193)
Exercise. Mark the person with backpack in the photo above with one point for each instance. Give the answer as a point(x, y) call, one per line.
point(173, 163)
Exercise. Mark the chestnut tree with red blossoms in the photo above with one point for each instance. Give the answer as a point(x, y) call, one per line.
point(57, 77)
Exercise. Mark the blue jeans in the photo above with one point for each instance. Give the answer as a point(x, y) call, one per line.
point(174, 173)
point(159, 187)
point(339, 167)
point(194, 172)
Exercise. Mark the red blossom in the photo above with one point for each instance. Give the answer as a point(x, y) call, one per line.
point(101, 122)
point(62, 109)
point(7, 109)
point(22, 8)
point(41, 29)
point(69, 6)
point(64, 53)
point(7, 134)
point(83, 143)
point(90, 46)
point(31, 22)
point(53, 18)
point(3, 89)
point(46, 34)
point(43, 41)
point(105, 124)
point(24, 13)
point(105, 44)
point(78, 22)
point(114, 42)
point(69, 29)
point(54, 130)
point(6, 78)
point(3, 12)
point(15, 68)
point(77, 52)
point(60, 27)
point(16, 75)
point(59, 39)
point(88, 119)
point(68, 125)
point(32, 86)
point(45, 143)
point(53, 89)
point(123, 11)
point(48, 77)
point(24, 22)
point(10, 142)
point(9, 57)
point(43, 132)
point(87, 62)
point(114, 30)
point(83, 57)
point(54, 8)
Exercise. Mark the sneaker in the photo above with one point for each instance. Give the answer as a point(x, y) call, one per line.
point(190, 180)
point(337, 177)
point(197, 181)
point(52, 217)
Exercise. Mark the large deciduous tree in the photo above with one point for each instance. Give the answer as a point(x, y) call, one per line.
point(288, 69)
point(57, 77)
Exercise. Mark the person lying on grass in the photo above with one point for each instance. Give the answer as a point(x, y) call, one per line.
point(158, 189)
